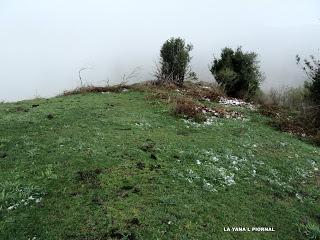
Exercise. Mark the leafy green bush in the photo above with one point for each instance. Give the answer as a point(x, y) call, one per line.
point(238, 72)
point(174, 62)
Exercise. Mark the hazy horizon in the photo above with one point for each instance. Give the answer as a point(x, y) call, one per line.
point(45, 43)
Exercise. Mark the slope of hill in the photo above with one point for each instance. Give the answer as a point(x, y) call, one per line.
point(120, 166)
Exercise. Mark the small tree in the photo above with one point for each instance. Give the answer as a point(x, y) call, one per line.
point(312, 69)
point(174, 61)
point(312, 113)
point(237, 72)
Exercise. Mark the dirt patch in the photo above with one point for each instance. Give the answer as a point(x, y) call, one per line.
point(140, 165)
point(125, 190)
point(148, 146)
point(116, 234)
point(89, 177)
point(133, 222)
point(153, 156)
point(50, 116)
point(3, 154)
point(155, 167)
point(97, 200)
point(21, 109)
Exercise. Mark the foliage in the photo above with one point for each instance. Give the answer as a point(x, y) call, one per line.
point(288, 97)
point(175, 60)
point(312, 69)
point(238, 72)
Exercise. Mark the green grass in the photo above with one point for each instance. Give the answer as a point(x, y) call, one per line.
point(115, 166)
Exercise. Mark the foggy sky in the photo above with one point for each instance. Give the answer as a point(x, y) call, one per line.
point(43, 43)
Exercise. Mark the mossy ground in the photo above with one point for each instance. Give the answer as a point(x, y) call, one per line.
point(118, 166)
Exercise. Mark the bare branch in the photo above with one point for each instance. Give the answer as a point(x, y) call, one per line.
point(80, 78)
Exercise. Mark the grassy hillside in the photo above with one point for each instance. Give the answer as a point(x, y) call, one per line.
point(118, 166)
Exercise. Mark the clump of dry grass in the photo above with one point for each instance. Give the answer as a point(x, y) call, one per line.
point(167, 91)
point(291, 112)
point(187, 108)
point(203, 91)
point(160, 95)
point(270, 110)
point(151, 86)
point(96, 89)
point(284, 97)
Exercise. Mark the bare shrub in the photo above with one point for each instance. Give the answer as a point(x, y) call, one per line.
point(187, 108)
point(161, 95)
point(287, 97)
point(96, 89)
point(292, 111)
point(203, 91)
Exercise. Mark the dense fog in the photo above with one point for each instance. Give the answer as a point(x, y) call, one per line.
point(45, 43)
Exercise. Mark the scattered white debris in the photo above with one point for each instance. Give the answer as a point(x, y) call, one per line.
point(254, 172)
point(208, 186)
point(229, 180)
point(143, 124)
point(283, 144)
point(236, 102)
point(221, 113)
point(209, 122)
point(314, 165)
point(25, 202)
point(13, 207)
point(205, 87)
point(299, 196)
